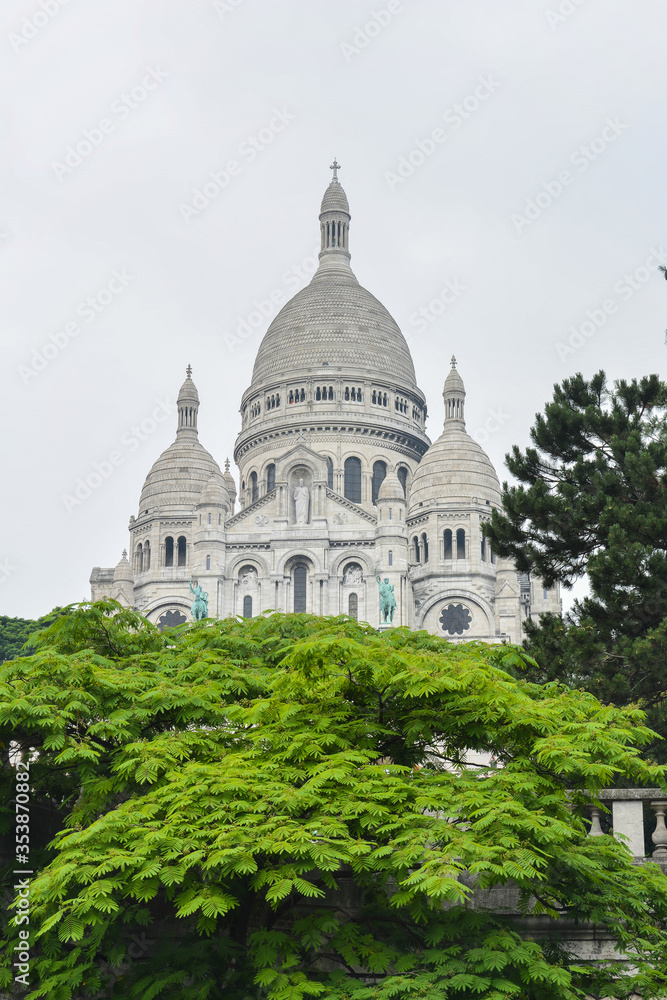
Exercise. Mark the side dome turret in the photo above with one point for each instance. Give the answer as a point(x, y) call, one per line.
point(185, 467)
point(455, 468)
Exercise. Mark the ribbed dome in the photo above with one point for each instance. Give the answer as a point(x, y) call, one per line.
point(334, 321)
point(335, 199)
point(455, 467)
point(178, 476)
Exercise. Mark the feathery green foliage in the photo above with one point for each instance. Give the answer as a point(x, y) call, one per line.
point(286, 808)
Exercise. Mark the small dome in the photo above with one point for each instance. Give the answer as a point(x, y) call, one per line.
point(453, 382)
point(123, 571)
point(178, 476)
point(188, 391)
point(214, 493)
point(335, 199)
point(390, 488)
point(456, 468)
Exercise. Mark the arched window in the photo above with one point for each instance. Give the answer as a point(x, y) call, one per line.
point(415, 545)
point(300, 583)
point(330, 472)
point(379, 473)
point(181, 550)
point(169, 551)
point(139, 558)
point(254, 488)
point(425, 547)
point(492, 553)
point(318, 394)
point(247, 606)
point(147, 556)
point(208, 562)
point(347, 392)
point(391, 558)
point(403, 479)
point(270, 477)
point(353, 606)
point(460, 544)
point(448, 544)
point(209, 518)
point(330, 392)
point(483, 549)
point(352, 489)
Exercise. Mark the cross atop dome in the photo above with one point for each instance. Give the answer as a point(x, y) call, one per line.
point(335, 166)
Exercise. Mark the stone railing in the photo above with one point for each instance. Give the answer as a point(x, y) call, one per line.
point(637, 814)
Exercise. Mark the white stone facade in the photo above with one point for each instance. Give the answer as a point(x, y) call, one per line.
point(338, 484)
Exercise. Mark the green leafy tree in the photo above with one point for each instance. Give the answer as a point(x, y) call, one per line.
point(286, 808)
point(592, 499)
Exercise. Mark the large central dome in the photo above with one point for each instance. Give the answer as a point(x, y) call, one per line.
point(334, 322)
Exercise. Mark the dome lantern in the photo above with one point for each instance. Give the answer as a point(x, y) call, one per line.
point(335, 218)
point(188, 406)
point(454, 395)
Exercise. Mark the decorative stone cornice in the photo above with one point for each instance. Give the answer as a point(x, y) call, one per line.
point(344, 502)
point(251, 508)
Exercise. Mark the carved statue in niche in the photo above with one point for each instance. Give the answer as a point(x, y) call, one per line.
point(301, 498)
point(248, 578)
point(353, 574)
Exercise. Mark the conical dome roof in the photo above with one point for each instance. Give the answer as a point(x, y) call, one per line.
point(214, 493)
point(229, 482)
point(335, 199)
point(123, 571)
point(455, 468)
point(390, 487)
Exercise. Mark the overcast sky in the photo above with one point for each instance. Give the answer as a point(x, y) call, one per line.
point(505, 166)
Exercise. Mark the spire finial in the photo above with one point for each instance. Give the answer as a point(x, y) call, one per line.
point(188, 371)
point(226, 465)
point(335, 166)
point(453, 361)
point(124, 556)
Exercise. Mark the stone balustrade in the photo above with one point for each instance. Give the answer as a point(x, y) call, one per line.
point(637, 814)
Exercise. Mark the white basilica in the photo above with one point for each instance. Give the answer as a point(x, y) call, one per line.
point(339, 484)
